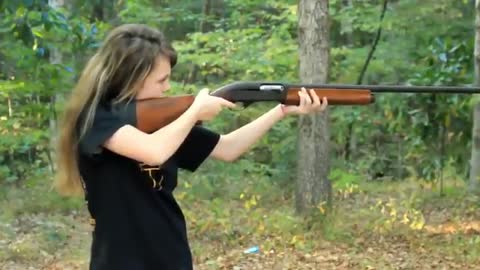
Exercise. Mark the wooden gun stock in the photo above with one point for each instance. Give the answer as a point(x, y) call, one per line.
point(155, 113)
point(334, 96)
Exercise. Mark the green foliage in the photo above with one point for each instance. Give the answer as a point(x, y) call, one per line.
point(176, 18)
point(400, 135)
point(249, 51)
point(395, 213)
point(31, 85)
point(237, 210)
point(422, 137)
point(424, 133)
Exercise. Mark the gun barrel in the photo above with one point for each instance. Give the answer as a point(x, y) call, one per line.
point(279, 86)
point(398, 88)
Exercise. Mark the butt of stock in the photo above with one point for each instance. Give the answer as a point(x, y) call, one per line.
point(155, 113)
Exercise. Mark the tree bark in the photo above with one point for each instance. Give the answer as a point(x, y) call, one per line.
point(105, 11)
point(212, 9)
point(313, 187)
point(207, 7)
point(474, 183)
point(55, 58)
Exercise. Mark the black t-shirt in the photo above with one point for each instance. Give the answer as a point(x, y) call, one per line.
point(138, 223)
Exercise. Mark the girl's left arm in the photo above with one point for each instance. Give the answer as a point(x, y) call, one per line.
point(237, 142)
point(234, 144)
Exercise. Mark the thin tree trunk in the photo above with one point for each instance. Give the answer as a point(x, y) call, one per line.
point(105, 11)
point(204, 25)
point(313, 186)
point(474, 183)
point(350, 141)
point(212, 10)
point(55, 58)
point(10, 108)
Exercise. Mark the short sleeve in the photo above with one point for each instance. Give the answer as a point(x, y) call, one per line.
point(107, 120)
point(196, 147)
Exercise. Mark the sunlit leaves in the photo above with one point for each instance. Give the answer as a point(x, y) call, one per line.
point(256, 40)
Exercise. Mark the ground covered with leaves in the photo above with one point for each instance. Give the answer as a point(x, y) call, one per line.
point(394, 225)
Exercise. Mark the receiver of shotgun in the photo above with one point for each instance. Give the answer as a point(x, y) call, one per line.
point(153, 114)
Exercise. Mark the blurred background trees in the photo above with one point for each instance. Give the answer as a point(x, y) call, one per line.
point(386, 162)
point(427, 42)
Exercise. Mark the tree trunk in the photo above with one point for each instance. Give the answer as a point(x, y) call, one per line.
point(55, 58)
point(350, 145)
point(313, 186)
point(212, 10)
point(204, 25)
point(474, 185)
point(105, 11)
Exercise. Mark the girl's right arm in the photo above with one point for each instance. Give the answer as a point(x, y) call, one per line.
point(158, 147)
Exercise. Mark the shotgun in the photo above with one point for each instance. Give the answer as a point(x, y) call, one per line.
point(153, 114)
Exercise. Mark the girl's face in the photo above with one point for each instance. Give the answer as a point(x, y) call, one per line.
point(157, 82)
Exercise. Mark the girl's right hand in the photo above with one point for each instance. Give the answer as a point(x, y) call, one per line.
point(207, 107)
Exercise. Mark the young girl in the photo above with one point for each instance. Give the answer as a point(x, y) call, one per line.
point(128, 176)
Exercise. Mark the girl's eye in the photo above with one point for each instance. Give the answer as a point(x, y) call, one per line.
point(163, 80)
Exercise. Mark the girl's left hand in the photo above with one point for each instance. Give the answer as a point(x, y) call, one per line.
point(308, 104)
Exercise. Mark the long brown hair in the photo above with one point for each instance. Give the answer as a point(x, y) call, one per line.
point(126, 57)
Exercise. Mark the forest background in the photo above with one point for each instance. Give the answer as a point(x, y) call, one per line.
point(399, 168)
